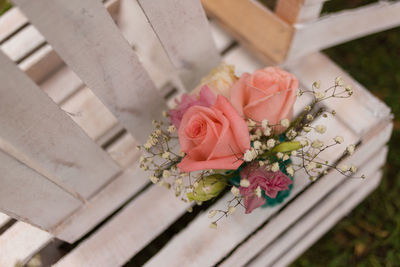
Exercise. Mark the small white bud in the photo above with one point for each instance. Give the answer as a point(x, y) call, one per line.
point(319, 95)
point(320, 129)
point(290, 170)
point(338, 139)
point(307, 129)
point(317, 144)
point(344, 168)
point(285, 157)
point(212, 213)
point(271, 143)
point(267, 131)
point(293, 153)
point(213, 225)
point(231, 209)
point(310, 166)
point(171, 129)
point(235, 191)
point(275, 167)
point(264, 124)
point(166, 155)
point(339, 81)
point(350, 149)
point(279, 155)
point(307, 108)
point(285, 123)
point(154, 179)
point(309, 117)
point(244, 183)
point(257, 144)
point(353, 169)
point(317, 84)
point(257, 192)
point(261, 163)
point(166, 174)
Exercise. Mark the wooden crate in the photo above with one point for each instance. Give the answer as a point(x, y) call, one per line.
point(141, 212)
point(295, 29)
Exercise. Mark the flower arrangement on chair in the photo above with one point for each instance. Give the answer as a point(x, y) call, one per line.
point(239, 132)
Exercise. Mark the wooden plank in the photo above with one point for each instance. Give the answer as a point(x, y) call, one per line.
point(183, 30)
point(10, 22)
point(303, 203)
point(362, 118)
point(22, 43)
point(17, 247)
point(46, 139)
point(327, 223)
point(20, 185)
point(298, 11)
point(263, 32)
point(331, 203)
point(339, 27)
point(141, 221)
point(198, 243)
point(76, 30)
point(111, 197)
point(4, 219)
point(61, 84)
point(89, 113)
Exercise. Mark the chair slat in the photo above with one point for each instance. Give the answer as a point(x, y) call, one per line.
point(47, 139)
point(325, 225)
point(87, 39)
point(20, 242)
point(333, 202)
point(20, 185)
point(183, 30)
point(10, 22)
point(339, 27)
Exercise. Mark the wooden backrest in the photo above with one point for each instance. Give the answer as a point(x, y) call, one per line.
point(295, 29)
point(51, 167)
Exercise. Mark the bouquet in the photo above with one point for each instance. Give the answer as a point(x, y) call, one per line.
point(238, 134)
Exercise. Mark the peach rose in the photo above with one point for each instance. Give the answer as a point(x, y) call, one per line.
point(213, 137)
point(267, 94)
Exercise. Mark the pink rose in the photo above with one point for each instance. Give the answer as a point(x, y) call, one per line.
point(266, 94)
point(206, 98)
point(213, 137)
point(270, 182)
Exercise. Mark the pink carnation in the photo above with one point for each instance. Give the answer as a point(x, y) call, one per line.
point(206, 98)
point(270, 182)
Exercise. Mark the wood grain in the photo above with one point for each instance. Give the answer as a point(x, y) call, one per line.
point(339, 27)
point(183, 30)
point(17, 247)
point(328, 222)
point(77, 30)
point(262, 32)
point(332, 203)
point(47, 139)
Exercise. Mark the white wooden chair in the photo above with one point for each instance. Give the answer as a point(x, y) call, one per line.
point(68, 160)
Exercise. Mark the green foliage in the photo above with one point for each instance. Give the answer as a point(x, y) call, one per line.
point(4, 6)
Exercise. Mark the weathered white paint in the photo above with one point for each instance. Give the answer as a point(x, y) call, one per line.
point(10, 22)
point(20, 242)
point(88, 40)
point(332, 203)
point(46, 139)
point(184, 33)
point(343, 26)
point(22, 43)
point(19, 185)
point(324, 226)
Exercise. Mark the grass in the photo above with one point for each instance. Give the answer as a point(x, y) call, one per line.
point(370, 235)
